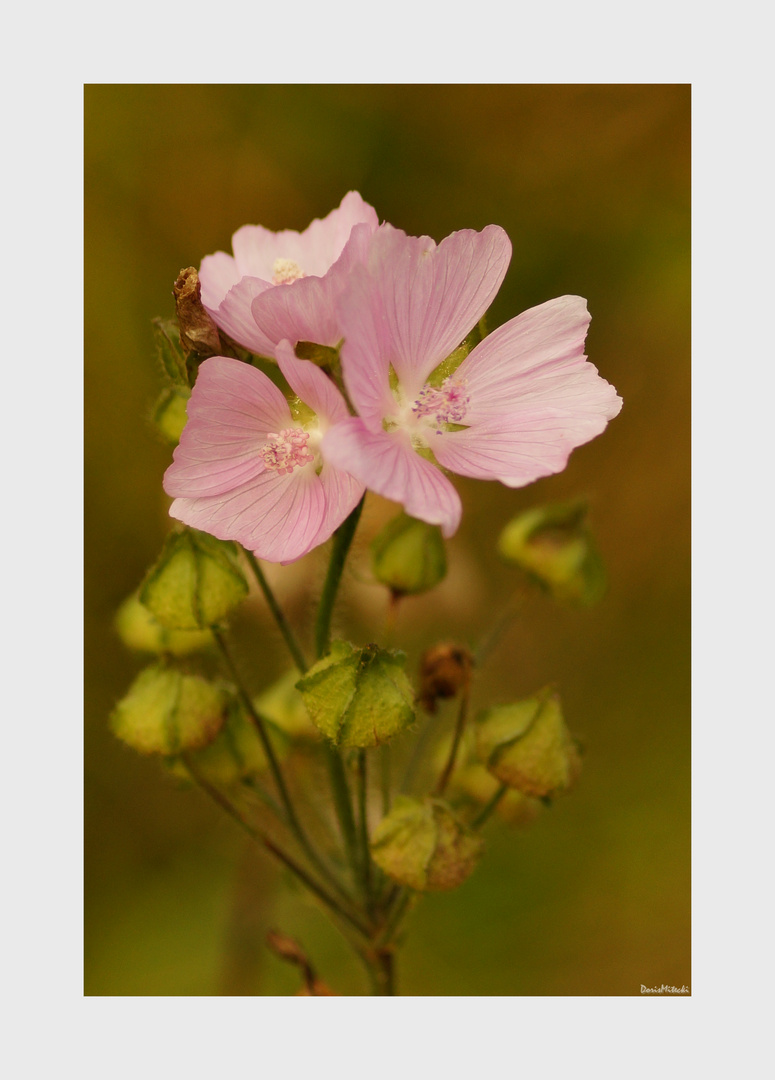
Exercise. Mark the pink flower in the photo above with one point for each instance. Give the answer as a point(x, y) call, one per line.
point(284, 284)
point(513, 411)
point(248, 469)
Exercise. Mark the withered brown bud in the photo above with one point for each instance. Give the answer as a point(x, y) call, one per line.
point(444, 670)
point(198, 332)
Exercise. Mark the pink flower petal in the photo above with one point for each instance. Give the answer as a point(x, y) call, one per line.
point(343, 492)
point(276, 515)
point(537, 360)
point(312, 386)
point(387, 464)
point(429, 297)
point(217, 274)
point(519, 448)
point(232, 408)
point(235, 318)
point(366, 353)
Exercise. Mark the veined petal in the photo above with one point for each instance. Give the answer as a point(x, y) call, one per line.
point(430, 297)
point(312, 385)
point(276, 515)
point(342, 493)
point(232, 408)
point(217, 274)
point(537, 360)
point(517, 448)
point(386, 463)
point(299, 311)
point(366, 352)
point(234, 316)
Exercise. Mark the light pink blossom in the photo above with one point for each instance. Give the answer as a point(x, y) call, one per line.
point(247, 470)
point(285, 284)
point(513, 410)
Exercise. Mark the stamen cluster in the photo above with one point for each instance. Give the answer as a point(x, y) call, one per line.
point(447, 403)
point(287, 449)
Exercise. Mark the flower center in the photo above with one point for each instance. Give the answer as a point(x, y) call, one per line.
point(284, 271)
point(445, 404)
point(287, 449)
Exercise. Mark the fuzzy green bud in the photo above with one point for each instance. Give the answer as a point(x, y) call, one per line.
point(235, 753)
point(169, 414)
point(195, 583)
point(138, 629)
point(554, 546)
point(423, 845)
point(358, 697)
point(409, 556)
point(528, 746)
point(166, 712)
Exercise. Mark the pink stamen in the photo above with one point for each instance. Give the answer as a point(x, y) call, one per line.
point(447, 403)
point(287, 449)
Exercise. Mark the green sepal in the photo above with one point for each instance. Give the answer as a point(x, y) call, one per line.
point(170, 352)
point(451, 363)
point(554, 546)
point(358, 697)
point(195, 582)
point(166, 712)
point(424, 846)
point(169, 413)
point(409, 556)
point(322, 355)
point(138, 629)
point(528, 746)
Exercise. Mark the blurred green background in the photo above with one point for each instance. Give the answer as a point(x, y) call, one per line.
point(592, 185)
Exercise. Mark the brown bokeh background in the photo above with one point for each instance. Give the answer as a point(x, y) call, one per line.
point(592, 185)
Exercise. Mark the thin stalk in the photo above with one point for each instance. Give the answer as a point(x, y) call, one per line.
point(381, 968)
point(325, 897)
point(384, 777)
point(277, 612)
point(274, 766)
point(488, 807)
point(342, 802)
point(364, 854)
point(460, 724)
point(343, 538)
point(398, 902)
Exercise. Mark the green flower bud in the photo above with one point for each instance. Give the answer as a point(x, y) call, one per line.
point(195, 583)
point(424, 846)
point(409, 556)
point(554, 546)
point(234, 754)
point(527, 745)
point(168, 349)
point(358, 697)
point(169, 414)
point(284, 706)
point(166, 712)
point(138, 629)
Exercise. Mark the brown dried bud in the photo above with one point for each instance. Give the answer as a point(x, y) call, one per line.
point(198, 332)
point(287, 948)
point(444, 670)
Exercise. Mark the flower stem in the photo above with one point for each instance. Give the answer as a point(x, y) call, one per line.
point(363, 833)
point(488, 807)
point(279, 617)
point(274, 765)
point(343, 538)
point(460, 724)
point(220, 799)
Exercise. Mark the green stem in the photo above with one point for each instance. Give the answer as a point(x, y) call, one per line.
point(343, 538)
point(220, 799)
point(363, 834)
point(274, 766)
point(279, 617)
point(488, 807)
point(384, 776)
point(342, 802)
point(459, 729)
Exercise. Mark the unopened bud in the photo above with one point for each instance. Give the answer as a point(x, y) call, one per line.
point(409, 556)
point(235, 753)
point(358, 697)
point(444, 670)
point(527, 745)
point(195, 583)
point(169, 414)
point(283, 704)
point(198, 332)
point(138, 629)
point(166, 712)
point(554, 546)
point(170, 353)
point(423, 845)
